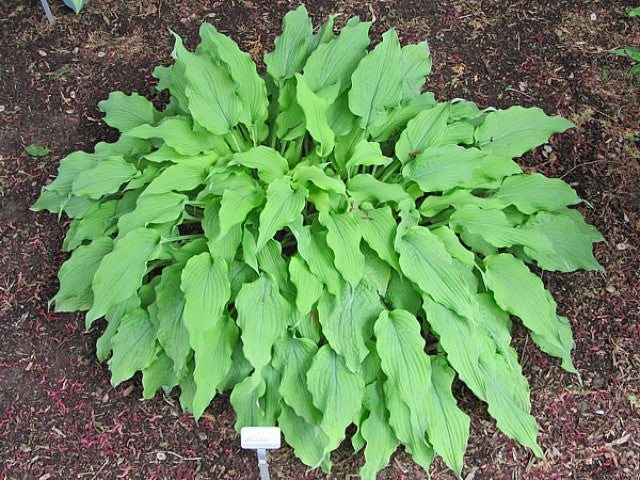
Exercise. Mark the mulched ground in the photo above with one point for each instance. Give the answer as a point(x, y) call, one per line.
point(59, 416)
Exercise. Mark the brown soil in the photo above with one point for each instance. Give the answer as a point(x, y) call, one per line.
point(59, 416)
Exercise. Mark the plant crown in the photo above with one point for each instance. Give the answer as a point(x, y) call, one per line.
point(299, 238)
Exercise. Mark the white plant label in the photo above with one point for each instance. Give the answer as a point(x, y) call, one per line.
point(260, 437)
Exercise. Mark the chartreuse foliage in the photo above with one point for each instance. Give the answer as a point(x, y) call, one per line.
point(298, 238)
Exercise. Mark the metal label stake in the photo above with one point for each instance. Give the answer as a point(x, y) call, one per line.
point(260, 439)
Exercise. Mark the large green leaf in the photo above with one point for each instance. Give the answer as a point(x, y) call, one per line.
point(522, 293)
point(236, 205)
point(172, 333)
point(365, 187)
point(106, 177)
point(512, 132)
point(333, 62)
point(401, 294)
point(127, 111)
point(502, 392)
point(114, 317)
point(340, 118)
point(134, 346)
point(416, 65)
point(425, 261)
point(313, 247)
point(50, 200)
point(245, 399)
point(367, 154)
point(153, 209)
point(494, 227)
point(323, 34)
point(343, 237)
point(206, 289)
point(293, 357)
point(457, 198)
point(76, 276)
point(271, 261)
point(290, 124)
point(426, 129)
point(506, 387)
point(178, 133)
point(463, 356)
point(488, 366)
point(492, 171)
point(263, 314)
point(448, 425)
point(160, 373)
point(533, 192)
point(315, 114)
point(282, 206)
point(308, 287)
point(337, 393)
point(213, 102)
point(213, 362)
point(378, 227)
point(223, 245)
point(443, 167)
point(377, 272)
point(184, 176)
point(406, 365)
point(251, 88)
point(99, 224)
point(571, 241)
point(309, 442)
point(290, 50)
point(319, 177)
point(454, 246)
point(400, 419)
point(121, 272)
point(377, 82)
point(240, 369)
point(381, 441)
point(269, 163)
point(399, 116)
point(347, 321)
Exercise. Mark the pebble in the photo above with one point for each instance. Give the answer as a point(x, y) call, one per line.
point(622, 246)
point(161, 456)
point(2, 107)
point(42, 53)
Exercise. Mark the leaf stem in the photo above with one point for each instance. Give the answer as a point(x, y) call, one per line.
point(188, 216)
point(389, 171)
point(232, 136)
point(181, 237)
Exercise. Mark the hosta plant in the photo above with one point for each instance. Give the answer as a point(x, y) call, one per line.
point(326, 241)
